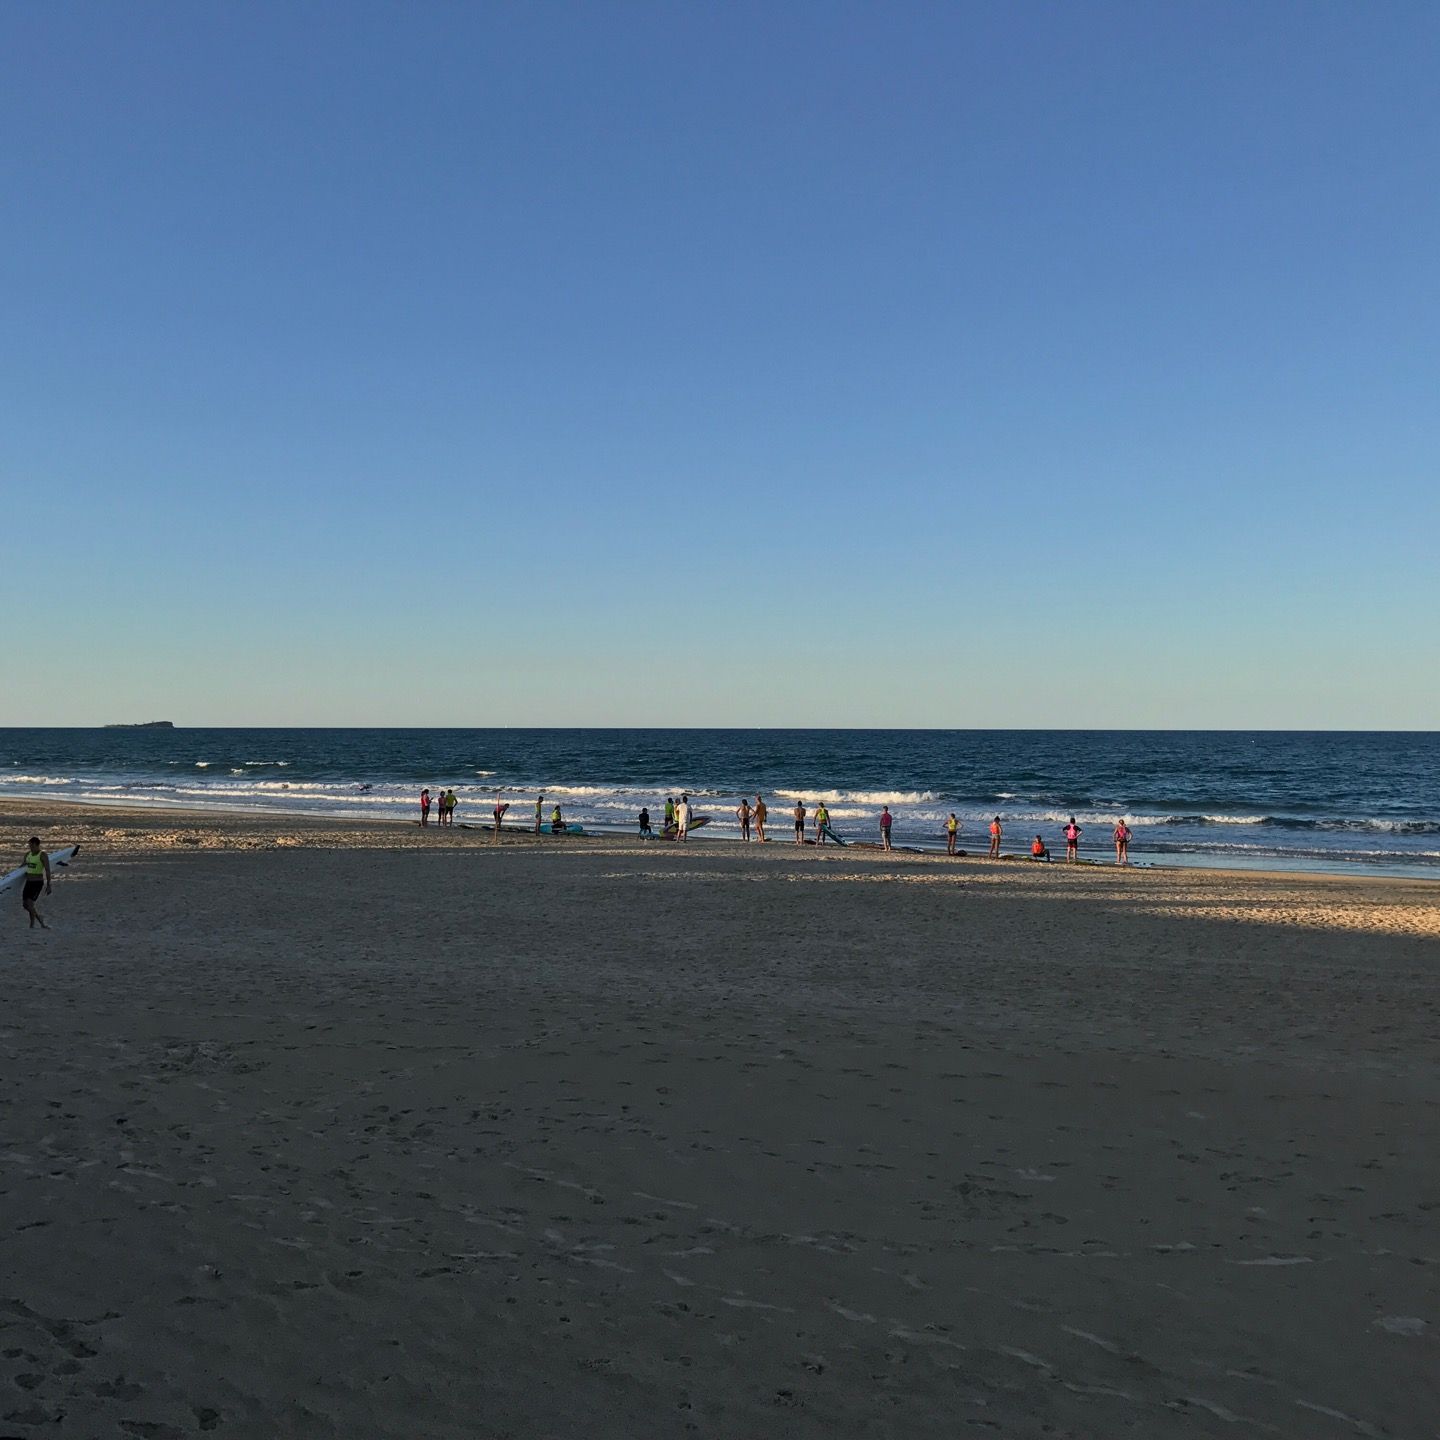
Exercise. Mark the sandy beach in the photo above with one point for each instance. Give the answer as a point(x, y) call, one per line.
point(316, 1129)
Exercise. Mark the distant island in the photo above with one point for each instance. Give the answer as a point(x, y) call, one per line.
point(142, 725)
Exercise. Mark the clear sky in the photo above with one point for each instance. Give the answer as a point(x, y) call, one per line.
point(775, 363)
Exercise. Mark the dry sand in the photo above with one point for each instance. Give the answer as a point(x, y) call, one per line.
point(316, 1130)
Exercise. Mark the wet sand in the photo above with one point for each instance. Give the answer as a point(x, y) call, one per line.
point(320, 1129)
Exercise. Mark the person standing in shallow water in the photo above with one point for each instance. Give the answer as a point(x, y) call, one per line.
point(743, 815)
point(36, 863)
point(1122, 843)
point(425, 807)
point(952, 829)
point(885, 823)
point(799, 813)
point(996, 831)
point(760, 813)
point(1072, 840)
point(539, 811)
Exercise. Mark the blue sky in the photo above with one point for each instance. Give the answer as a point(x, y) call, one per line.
point(1002, 364)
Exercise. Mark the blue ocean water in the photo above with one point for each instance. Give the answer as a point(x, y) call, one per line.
point(1290, 800)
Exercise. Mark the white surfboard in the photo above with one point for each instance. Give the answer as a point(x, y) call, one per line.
point(59, 860)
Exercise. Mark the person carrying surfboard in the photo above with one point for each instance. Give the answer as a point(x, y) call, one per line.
point(36, 863)
point(822, 823)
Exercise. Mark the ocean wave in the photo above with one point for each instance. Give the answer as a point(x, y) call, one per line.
point(39, 780)
point(859, 797)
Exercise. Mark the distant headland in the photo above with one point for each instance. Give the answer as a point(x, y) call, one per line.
point(142, 725)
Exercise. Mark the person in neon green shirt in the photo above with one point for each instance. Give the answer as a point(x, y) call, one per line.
point(36, 863)
point(952, 829)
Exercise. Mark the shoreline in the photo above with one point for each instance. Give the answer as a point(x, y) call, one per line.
point(191, 817)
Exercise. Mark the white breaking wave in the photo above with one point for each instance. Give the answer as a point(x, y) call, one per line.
point(831, 798)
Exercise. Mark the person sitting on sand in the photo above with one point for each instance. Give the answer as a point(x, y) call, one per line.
point(760, 813)
point(1122, 843)
point(1072, 840)
point(743, 815)
point(886, 821)
point(557, 822)
point(952, 830)
point(996, 831)
point(36, 863)
point(425, 807)
point(646, 833)
point(1038, 850)
point(799, 813)
point(822, 823)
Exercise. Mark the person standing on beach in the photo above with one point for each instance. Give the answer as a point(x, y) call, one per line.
point(885, 823)
point(450, 803)
point(743, 815)
point(996, 831)
point(668, 830)
point(539, 810)
point(799, 822)
point(500, 808)
point(1122, 843)
point(1072, 840)
point(682, 818)
point(760, 813)
point(822, 822)
point(425, 807)
point(952, 830)
point(36, 863)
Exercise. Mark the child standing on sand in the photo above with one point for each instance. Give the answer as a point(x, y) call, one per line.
point(996, 831)
point(425, 807)
point(885, 822)
point(1122, 843)
point(36, 864)
point(952, 830)
point(1072, 840)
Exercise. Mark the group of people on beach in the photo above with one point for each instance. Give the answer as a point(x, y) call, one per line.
point(443, 803)
point(680, 818)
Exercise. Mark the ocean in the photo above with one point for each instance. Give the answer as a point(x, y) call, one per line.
point(1285, 800)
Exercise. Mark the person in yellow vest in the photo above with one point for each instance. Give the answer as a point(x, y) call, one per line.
point(557, 821)
point(37, 877)
point(952, 829)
